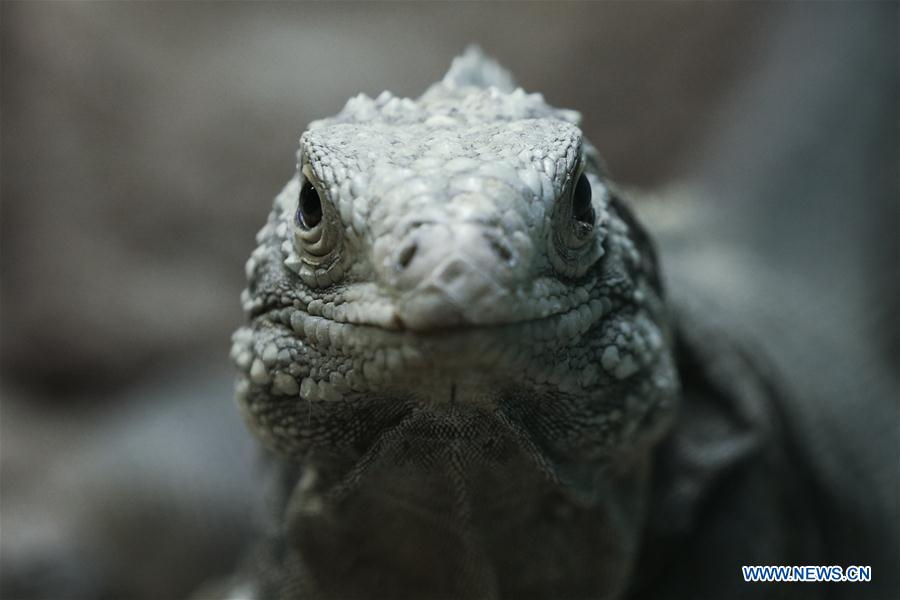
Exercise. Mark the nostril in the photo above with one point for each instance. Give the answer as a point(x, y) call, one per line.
point(406, 255)
point(500, 249)
point(452, 272)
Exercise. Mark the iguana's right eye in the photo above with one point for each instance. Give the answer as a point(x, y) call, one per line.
point(318, 236)
point(309, 207)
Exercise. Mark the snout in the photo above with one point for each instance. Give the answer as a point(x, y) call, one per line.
point(449, 275)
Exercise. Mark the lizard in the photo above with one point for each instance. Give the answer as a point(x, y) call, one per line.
point(463, 357)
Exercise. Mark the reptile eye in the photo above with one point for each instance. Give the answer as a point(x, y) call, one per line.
point(582, 208)
point(309, 209)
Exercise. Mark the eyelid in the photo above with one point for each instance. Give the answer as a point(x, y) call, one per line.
point(310, 176)
point(577, 171)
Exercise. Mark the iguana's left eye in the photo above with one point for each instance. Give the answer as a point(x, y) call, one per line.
point(582, 208)
point(576, 236)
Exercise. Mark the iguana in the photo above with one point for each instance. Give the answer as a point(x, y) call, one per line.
point(477, 379)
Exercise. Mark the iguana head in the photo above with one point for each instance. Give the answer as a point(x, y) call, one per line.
point(458, 250)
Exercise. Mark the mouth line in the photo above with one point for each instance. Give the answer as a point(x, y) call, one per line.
point(275, 313)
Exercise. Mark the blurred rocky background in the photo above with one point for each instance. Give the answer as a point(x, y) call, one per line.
point(141, 147)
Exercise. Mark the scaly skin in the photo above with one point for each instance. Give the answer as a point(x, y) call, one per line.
point(466, 351)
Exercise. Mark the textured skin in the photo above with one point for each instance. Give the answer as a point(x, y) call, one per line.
point(472, 393)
